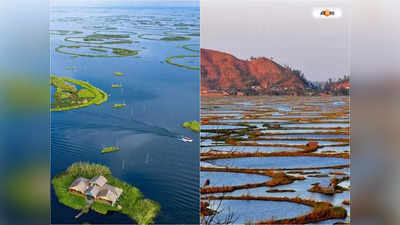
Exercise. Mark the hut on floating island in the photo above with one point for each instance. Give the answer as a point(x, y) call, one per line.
point(97, 189)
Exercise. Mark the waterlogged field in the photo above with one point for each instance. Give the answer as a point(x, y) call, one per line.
point(275, 159)
point(120, 97)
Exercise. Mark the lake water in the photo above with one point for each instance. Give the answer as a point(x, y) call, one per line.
point(147, 129)
point(330, 123)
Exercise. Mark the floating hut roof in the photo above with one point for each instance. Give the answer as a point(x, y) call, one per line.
point(93, 191)
point(80, 184)
point(98, 180)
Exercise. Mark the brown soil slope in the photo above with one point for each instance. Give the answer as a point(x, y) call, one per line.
point(222, 72)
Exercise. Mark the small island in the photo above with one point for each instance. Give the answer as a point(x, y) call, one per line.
point(85, 187)
point(192, 125)
point(109, 149)
point(116, 86)
point(116, 106)
point(72, 94)
point(118, 74)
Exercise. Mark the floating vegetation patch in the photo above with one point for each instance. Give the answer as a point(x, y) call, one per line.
point(116, 106)
point(109, 149)
point(100, 28)
point(116, 86)
point(170, 59)
point(163, 37)
point(73, 94)
point(65, 32)
point(192, 125)
point(118, 73)
point(93, 51)
point(192, 47)
point(101, 39)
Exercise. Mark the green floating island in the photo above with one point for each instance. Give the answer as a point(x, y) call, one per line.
point(67, 96)
point(131, 201)
point(101, 39)
point(116, 86)
point(109, 149)
point(96, 27)
point(188, 47)
point(105, 51)
point(192, 125)
point(164, 37)
point(118, 73)
point(170, 58)
point(65, 32)
point(116, 106)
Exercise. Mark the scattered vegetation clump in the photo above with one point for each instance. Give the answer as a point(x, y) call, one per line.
point(170, 58)
point(116, 106)
point(65, 32)
point(175, 38)
point(67, 96)
point(124, 52)
point(192, 125)
point(118, 73)
point(164, 37)
point(109, 149)
point(131, 202)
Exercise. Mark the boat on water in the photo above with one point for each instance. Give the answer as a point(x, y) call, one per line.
point(186, 139)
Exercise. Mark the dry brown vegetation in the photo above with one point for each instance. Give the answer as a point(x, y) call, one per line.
point(321, 210)
point(212, 156)
point(277, 178)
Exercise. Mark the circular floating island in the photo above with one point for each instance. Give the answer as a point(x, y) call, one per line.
point(170, 59)
point(65, 32)
point(95, 51)
point(192, 47)
point(96, 27)
point(101, 39)
point(72, 94)
point(163, 37)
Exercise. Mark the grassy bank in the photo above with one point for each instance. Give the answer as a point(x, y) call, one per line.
point(132, 201)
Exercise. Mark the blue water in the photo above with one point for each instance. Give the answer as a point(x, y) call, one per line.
point(151, 157)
